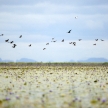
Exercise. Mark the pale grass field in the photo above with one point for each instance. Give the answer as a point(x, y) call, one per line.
point(54, 87)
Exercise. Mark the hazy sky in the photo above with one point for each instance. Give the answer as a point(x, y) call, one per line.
point(38, 21)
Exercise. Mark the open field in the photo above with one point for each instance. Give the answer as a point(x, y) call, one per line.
point(53, 86)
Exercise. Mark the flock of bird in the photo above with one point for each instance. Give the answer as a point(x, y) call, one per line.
point(74, 43)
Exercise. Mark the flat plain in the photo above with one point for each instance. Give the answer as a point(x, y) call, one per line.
point(54, 86)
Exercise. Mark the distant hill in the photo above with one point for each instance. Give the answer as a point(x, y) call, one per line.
point(25, 60)
point(5, 60)
point(94, 60)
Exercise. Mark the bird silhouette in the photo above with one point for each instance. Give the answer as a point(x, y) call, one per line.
point(74, 43)
point(12, 42)
point(20, 36)
point(44, 48)
point(63, 40)
point(102, 40)
point(7, 40)
point(94, 44)
point(76, 17)
point(70, 42)
point(80, 39)
point(54, 41)
point(14, 45)
point(69, 31)
point(1, 34)
point(52, 38)
point(30, 45)
point(96, 39)
point(47, 43)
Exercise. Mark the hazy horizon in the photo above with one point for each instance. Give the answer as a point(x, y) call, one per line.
point(38, 22)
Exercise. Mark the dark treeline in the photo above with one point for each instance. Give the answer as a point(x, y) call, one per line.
point(52, 64)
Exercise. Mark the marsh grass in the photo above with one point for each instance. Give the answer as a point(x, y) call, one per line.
point(49, 85)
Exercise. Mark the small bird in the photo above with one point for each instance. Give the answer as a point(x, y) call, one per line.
point(54, 41)
point(74, 43)
point(1, 34)
point(94, 44)
point(80, 39)
point(47, 43)
point(102, 40)
point(63, 40)
point(20, 36)
point(96, 39)
point(44, 48)
point(7, 40)
point(52, 38)
point(14, 45)
point(30, 45)
point(69, 31)
point(70, 42)
point(76, 17)
point(12, 42)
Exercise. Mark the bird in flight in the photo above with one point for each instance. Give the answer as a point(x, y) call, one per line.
point(47, 43)
point(20, 36)
point(52, 38)
point(7, 40)
point(63, 40)
point(94, 44)
point(12, 42)
point(44, 48)
point(80, 39)
point(14, 45)
point(74, 43)
point(76, 17)
point(54, 41)
point(1, 34)
point(70, 42)
point(30, 45)
point(102, 40)
point(69, 31)
point(96, 39)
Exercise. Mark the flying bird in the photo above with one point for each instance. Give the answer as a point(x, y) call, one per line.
point(30, 45)
point(74, 43)
point(69, 31)
point(94, 44)
point(20, 36)
point(1, 34)
point(70, 42)
point(96, 39)
point(12, 42)
point(76, 17)
point(44, 48)
point(14, 45)
point(102, 40)
point(80, 39)
point(54, 41)
point(7, 40)
point(52, 38)
point(63, 40)
point(47, 43)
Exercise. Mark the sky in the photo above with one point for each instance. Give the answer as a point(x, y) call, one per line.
point(38, 21)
